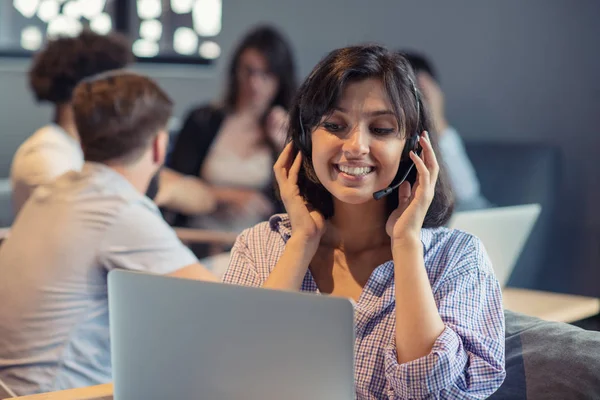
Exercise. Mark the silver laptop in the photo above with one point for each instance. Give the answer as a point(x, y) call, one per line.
point(179, 339)
point(503, 231)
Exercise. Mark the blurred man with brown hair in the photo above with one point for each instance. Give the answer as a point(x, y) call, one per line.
point(54, 331)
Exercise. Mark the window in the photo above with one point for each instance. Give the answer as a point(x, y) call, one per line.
point(24, 24)
point(175, 30)
point(172, 31)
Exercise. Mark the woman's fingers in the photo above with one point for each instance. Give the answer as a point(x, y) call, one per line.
point(281, 166)
point(428, 156)
point(423, 173)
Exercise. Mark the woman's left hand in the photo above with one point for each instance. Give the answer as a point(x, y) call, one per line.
point(406, 221)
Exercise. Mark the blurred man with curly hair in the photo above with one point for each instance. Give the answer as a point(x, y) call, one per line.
point(54, 149)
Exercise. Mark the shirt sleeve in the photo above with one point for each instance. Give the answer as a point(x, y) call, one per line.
point(141, 240)
point(467, 359)
point(40, 167)
point(463, 178)
point(49, 162)
point(242, 268)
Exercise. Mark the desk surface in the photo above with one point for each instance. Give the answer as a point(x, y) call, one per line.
point(205, 236)
point(100, 392)
point(185, 235)
point(545, 305)
point(550, 306)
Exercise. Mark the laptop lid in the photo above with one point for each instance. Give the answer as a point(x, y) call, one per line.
point(503, 231)
point(179, 339)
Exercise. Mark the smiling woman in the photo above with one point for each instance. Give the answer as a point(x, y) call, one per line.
point(356, 148)
point(397, 116)
point(429, 320)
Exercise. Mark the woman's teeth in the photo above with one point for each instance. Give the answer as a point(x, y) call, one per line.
point(355, 171)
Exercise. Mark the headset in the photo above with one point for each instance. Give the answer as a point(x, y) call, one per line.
point(407, 165)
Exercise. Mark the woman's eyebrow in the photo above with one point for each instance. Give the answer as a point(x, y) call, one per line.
point(374, 113)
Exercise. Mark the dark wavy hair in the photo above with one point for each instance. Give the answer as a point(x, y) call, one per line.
point(277, 51)
point(321, 92)
point(66, 61)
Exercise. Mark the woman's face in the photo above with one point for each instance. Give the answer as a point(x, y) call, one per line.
point(257, 85)
point(356, 150)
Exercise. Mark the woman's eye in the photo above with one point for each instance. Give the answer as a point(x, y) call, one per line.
point(383, 131)
point(332, 127)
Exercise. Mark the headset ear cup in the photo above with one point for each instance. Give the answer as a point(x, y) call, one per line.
point(411, 144)
point(302, 142)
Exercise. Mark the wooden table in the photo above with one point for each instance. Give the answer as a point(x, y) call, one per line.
point(100, 392)
point(550, 306)
point(544, 305)
point(205, 236)
point(185, 235)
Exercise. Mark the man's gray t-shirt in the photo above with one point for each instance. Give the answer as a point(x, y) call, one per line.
point(54, 330)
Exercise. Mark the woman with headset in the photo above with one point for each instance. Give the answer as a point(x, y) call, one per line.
point(366, 202)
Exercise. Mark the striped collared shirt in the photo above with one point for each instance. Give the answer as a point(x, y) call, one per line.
point(467, 359)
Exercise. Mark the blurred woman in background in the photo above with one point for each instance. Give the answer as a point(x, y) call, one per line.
point(232, 145)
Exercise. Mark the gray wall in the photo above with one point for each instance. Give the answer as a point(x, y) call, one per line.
point(512, 70)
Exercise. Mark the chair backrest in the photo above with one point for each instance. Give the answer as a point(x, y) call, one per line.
point(5, 392)
point(6, 207)
point(522, 173)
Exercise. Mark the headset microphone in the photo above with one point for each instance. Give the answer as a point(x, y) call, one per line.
point(384, 192)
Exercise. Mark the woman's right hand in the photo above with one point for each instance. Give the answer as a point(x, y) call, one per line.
point(308, 225)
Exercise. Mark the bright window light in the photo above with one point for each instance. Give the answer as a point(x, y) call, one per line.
point(73, 9)
point(31, 38)
point(101, 24)
point(47, 10)
point(145, 48)
point(185, 41)
point(64, 26)
point(209, 50)
point(27, 8)
point(91, 8)
point(207, 17)
point(182, 6)
point(151, 29)
point(149, 9)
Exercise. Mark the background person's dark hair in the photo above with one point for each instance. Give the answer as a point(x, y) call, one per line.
point(320, 93)
point(278, 54)
point(118, 114)
point(66, 61)
point(420, 63)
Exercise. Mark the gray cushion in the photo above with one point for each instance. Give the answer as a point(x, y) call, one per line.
point(549, 361)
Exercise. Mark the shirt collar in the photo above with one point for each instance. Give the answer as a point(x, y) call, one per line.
point(280, 223)
point(117, 180)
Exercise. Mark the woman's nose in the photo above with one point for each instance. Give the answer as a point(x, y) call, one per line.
point(357, 142)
